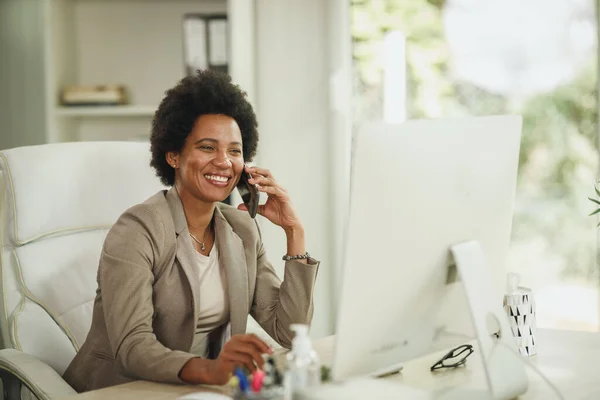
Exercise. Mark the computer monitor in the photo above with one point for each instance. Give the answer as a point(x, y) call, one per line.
point(418, 190)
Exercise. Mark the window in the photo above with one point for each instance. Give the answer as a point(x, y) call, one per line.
point(536, 58)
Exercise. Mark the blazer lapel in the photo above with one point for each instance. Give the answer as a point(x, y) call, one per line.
point(186, 254)
point(233, 259)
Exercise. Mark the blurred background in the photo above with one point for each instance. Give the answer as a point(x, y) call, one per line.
point(314, 70)
point(536, 58)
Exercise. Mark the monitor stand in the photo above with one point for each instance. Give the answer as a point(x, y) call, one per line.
point(504, 369)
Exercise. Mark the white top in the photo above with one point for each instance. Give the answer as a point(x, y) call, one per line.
point(214, 302)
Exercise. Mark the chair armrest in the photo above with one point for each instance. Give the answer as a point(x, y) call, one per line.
point(18, 368)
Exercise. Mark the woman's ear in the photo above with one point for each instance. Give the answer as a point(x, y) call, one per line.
point(172, 159)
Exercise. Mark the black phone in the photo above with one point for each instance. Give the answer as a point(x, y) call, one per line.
point(249, 192)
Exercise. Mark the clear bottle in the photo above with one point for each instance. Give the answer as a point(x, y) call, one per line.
point(303, 369)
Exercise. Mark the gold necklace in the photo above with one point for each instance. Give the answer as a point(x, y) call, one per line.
point(202, 244)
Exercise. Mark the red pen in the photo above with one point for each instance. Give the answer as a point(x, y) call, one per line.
point(257, 380)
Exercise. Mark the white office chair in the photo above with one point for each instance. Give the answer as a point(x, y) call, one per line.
point(57, 202)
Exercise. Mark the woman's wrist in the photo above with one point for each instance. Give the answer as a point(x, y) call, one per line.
point(200, 371)
point(295, 240)
point(294, 231)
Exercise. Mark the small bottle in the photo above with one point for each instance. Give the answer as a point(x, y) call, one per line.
point(303, 369)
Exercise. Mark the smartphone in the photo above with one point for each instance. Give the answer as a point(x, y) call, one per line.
point(249, 193)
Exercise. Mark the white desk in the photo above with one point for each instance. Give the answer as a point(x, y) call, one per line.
point(571, 360)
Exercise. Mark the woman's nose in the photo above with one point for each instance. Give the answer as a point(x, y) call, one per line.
point(222, 160)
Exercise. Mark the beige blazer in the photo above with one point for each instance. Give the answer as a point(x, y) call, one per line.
point(147, 305)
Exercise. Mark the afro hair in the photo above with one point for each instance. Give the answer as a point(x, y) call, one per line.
point(206, 92)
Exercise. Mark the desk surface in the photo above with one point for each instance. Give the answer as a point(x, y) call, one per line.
point(567, 358)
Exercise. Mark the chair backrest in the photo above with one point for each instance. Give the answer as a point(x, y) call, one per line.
point(57, 202)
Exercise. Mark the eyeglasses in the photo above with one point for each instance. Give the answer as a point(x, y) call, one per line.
point(455, 357)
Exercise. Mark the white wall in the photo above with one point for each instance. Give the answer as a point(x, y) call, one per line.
point(340, 135)
point(293, 109)
point(21, 74)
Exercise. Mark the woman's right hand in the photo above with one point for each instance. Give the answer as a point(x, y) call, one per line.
point(241, 350)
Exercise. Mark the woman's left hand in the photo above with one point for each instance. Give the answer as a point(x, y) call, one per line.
point(278, 209)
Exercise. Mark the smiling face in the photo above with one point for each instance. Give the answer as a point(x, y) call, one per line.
point(211, 160)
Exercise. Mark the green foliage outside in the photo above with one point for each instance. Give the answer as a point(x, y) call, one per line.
point(558, 160)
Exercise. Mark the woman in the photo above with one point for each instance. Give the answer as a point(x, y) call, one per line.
point(180, 273)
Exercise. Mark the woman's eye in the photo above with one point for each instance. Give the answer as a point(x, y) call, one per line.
point(236, 151)
point(206, 147)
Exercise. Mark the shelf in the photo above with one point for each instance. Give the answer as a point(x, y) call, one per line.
point(106, 111)
point(96, 42)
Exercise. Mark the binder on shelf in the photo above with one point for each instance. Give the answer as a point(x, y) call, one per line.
point(205, 42)
point(194, 42)
point(217, 45)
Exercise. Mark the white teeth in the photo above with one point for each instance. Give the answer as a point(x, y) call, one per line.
point(216, 178)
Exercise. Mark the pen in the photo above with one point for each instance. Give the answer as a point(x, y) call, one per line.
point(257, 380)
point(234, 382)
point(243, 380)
